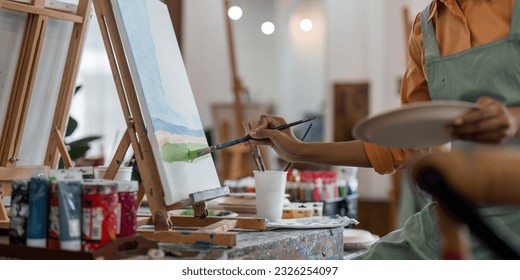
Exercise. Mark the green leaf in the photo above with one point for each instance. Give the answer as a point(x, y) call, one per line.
point(78, 152)
point(71, 126)
point(83, 141)
point(77, 88)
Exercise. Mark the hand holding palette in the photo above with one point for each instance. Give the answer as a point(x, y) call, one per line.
point(417, 125)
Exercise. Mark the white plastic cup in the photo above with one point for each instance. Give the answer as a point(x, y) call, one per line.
point(270, 193)
point(123, 174)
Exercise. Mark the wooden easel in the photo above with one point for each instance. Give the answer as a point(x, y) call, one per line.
point(233, 163)
point(215, 229)
point(20, 96)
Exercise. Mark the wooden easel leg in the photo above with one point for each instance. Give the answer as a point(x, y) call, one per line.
point(58, 139)
point(140, 195)
point(119, 156)
point(4, 219)
point(236, 164)
point(68, 81)
point(5, 189)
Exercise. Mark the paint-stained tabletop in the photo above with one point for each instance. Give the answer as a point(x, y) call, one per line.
point(281, 244)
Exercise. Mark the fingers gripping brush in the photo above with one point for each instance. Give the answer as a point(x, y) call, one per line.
point(204, 151)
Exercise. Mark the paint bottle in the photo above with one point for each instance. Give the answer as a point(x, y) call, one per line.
point(69, 204)
point(19, 212)
point(53, 222)
point(127, 208)
point(99, 203)
point(37, 222)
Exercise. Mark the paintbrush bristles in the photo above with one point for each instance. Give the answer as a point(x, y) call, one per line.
point(198, 153)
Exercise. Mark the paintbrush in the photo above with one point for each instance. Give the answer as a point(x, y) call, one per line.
point(204, 151)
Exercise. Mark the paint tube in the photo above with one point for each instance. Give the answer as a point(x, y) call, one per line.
point(37, 223)
point(69, 204)
point(19, 212)
point(99, 203)
point(127, 208)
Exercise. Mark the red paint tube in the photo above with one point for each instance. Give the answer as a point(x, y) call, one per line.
point(127, 208)
point(99, 202)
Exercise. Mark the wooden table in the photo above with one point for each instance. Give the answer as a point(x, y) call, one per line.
point(279, 244)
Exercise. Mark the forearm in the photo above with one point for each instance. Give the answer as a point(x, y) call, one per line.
point(351, 153)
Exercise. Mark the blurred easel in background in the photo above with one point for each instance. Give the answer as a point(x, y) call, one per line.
point(40, 18)
point(235, 162)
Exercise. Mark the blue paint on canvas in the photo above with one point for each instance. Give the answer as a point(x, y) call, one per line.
point(139, 34)
point(167, 103)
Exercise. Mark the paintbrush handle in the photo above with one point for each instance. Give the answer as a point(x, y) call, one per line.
point(230, 143)
point(285, 126)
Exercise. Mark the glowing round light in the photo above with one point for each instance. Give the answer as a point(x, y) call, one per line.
point(306, 25)
point(267, 28)
point(235, 13)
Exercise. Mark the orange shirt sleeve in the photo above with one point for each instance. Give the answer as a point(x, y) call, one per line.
point(414, 88)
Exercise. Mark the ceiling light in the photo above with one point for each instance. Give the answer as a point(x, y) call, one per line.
point(306, 25)
point(235, 13)
point(267, 28)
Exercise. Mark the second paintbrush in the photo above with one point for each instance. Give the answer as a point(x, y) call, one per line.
point(204, 151)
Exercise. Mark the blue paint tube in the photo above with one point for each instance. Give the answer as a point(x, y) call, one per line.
point(69, 201)
point(19, 212)
point(37, 224)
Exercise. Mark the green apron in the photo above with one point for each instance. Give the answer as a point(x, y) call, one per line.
point(493, 70)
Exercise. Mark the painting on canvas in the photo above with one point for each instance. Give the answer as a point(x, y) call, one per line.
point(167, 102)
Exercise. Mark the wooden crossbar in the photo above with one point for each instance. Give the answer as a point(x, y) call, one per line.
point(40, 10)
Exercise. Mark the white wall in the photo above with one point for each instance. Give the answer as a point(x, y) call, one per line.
point(96, 107)
point(275, 69)
point(205, 54)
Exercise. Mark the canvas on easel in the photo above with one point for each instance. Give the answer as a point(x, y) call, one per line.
point(41, 45)
point(167, 103)
point(153, 89)
point(47, 83)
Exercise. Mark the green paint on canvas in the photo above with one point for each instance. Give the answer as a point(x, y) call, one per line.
point(171, 152)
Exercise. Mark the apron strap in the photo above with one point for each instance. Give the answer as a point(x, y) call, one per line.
point(515, 22)
point(431, 48)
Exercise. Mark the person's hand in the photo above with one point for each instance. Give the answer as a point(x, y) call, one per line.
point(283, 142)
point(492, 124)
